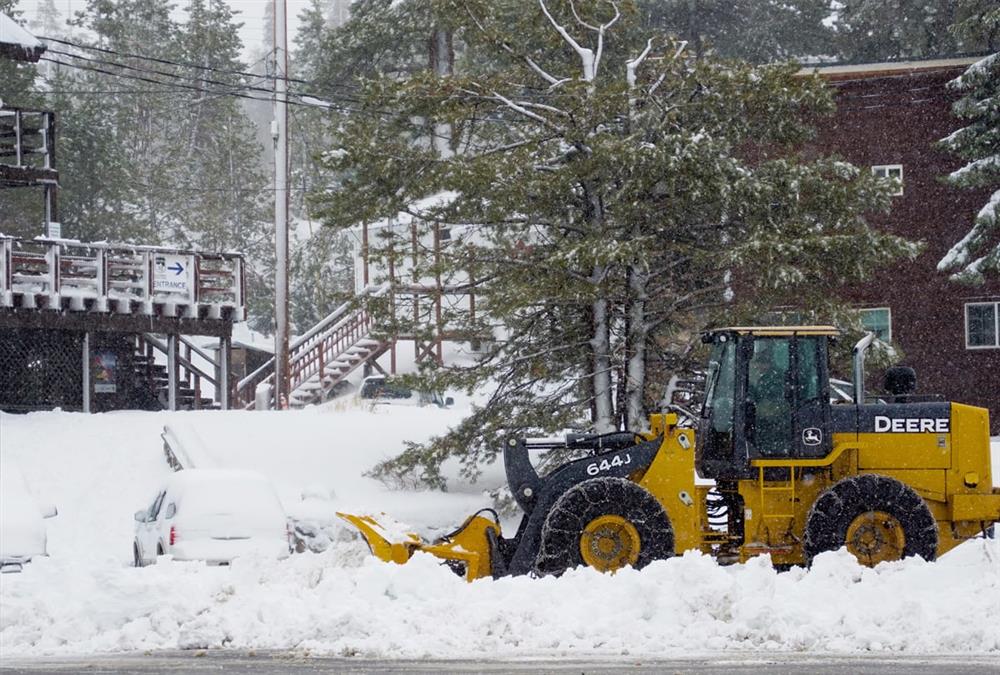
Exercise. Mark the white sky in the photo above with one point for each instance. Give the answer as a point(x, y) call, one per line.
point(251, 13)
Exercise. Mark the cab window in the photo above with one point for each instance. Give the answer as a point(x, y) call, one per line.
point(720, 386)
point(807, 386)
point(769, 413)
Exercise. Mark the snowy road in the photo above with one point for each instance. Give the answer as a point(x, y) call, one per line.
point(254, 663)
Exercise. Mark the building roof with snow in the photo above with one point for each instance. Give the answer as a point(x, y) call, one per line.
point(16, 43)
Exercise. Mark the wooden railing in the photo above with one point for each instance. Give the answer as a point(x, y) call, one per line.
point(190, 375)
point(27, 138)
point(327, 345)
point(65, 274)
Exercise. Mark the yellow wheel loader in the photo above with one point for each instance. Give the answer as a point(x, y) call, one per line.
point(776, 467)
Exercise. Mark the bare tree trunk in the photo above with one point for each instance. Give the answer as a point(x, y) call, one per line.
point(638, 332)
point(600, 345)
point(442, 58)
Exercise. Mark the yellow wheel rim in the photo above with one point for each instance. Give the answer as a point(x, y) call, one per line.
point(874, 537)
point(609, 543)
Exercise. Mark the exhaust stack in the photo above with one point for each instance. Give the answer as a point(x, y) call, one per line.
point(859, 367)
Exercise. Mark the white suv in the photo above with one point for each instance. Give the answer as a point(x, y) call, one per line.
point(214, 515)
point(22, 528)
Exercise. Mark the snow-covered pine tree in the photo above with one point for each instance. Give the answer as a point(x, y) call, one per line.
point(168, 159)
point(870, 31)
point(381, 36)
point(977, 254)
point(139, 125)
point(617, 188)
point(220, 188)
point(321, 259)
point(97, 188)
point(759, 31)
point(47, 21)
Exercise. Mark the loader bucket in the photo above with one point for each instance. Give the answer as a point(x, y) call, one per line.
point(467, 550)
point(375, 535)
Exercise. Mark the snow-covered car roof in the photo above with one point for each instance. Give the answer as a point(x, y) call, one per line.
point(192, 477)
point(207, 490)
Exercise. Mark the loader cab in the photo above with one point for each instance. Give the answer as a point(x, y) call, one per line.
point(766, 397)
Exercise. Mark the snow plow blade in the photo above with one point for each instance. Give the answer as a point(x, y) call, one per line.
point(467, 550)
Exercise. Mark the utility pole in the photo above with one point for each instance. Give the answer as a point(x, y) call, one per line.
point(279, 130)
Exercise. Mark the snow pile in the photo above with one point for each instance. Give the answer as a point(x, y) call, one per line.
point(98, 469)
point(344, 602)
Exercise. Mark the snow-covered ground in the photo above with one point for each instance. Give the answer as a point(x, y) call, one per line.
point(99, 469)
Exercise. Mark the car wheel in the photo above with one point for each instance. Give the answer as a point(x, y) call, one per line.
point(136, 558)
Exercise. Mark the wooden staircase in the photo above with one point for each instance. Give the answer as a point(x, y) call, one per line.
point(190, 376)
point(323, 357)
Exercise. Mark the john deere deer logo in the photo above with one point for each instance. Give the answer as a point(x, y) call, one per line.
point(812, 436)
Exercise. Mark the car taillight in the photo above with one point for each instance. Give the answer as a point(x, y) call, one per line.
point(173, 535)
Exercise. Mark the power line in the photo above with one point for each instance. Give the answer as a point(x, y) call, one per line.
point(189, 188)
point(185, 64)
point(234, 92)
point(163, 73)
point(105, 92)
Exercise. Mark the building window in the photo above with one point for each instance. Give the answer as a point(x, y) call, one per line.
point(879, 321)
point(892, 172)
point(982, 325)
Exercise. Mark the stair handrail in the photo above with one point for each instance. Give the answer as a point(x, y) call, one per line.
point(370, 291)
point(310, 360)
point(265, 372)
point(183, 362)
point(196, 349)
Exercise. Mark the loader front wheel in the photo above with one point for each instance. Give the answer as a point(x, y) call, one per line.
point(876, 518)
point(607, 524)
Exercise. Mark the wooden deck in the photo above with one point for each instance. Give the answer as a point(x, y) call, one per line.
point(49, 283)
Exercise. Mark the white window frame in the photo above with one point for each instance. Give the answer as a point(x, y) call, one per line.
point(996, 324)
point(888, 311)
point(882, 171)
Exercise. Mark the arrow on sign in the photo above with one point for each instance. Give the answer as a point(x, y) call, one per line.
point(176, 268)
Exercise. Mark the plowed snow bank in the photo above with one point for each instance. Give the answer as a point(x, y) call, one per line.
point(344, 602)
point(98, 469)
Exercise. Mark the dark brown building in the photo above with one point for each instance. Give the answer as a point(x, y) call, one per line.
point(889, 117)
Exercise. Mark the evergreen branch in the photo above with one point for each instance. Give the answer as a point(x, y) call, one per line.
point(524, 111)
point(553, 81)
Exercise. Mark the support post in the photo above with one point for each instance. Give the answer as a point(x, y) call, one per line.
point(438, 294)
point(86, 372)
point(416, 295)
point(282, 384)
point(222, 382)
point(364, 254)
point(217, 373)
point(172, 371)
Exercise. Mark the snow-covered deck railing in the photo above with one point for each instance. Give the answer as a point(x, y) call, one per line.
point(60, 274)
point(324, 355)
point(27, 137)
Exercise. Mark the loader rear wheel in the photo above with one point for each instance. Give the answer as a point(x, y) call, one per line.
point(607, 524)
point(876, 518)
